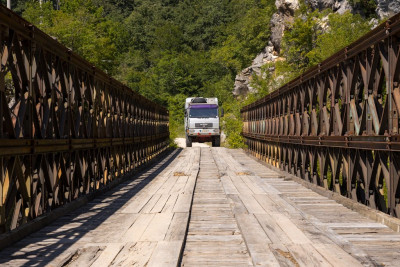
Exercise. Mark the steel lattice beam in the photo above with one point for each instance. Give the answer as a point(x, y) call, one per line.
point(66, 128)
point(337, 125)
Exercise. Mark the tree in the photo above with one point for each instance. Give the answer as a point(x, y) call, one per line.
point(342, 30)
point(300, 38)
point(80, 26)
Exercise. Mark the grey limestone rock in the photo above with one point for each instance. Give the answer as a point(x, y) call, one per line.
point(339, 6)
point(387, 8)
point(283, 17)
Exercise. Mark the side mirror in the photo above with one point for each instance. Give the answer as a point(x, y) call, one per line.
point(185, 113)
point(222, 112)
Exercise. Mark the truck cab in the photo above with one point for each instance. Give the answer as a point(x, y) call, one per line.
point(202, 122)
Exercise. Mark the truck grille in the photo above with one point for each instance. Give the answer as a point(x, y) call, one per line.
point(203, 125)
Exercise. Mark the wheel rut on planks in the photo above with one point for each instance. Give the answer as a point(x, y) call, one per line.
point(213, 236)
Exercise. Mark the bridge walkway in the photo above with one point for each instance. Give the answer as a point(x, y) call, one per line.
point(209, 206)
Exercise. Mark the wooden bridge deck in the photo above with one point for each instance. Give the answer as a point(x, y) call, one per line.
point(209, 206)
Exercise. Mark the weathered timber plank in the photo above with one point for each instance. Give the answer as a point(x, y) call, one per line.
point(137, 229)
point(177, 228)
point(166, 254)
point(134, 254)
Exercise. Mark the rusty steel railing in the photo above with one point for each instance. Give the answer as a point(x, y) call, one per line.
point(337, 125)
point(66, 128)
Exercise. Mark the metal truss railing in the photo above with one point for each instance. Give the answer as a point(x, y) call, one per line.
point(337, 125)
point(66, 128)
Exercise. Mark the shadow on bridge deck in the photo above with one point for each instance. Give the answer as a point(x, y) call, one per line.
point(214, 207)
point(42, 247)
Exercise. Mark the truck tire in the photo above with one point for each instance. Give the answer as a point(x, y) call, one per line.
point(216, 141)
point(188, 141)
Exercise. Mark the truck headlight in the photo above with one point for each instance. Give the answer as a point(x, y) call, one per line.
point(191, 131)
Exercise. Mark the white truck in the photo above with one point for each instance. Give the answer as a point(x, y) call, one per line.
point(202, 121)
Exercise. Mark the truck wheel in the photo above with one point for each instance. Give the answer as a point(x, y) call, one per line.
point(188, 141)
point(216, 141)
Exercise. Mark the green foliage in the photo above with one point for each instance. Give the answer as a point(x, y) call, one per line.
point(165, 49)
point(172, 49)
point(233, 127)
point(192, 48)
point(18, 6)
point(176, 107)
point(246, 38)
point(314, 36)
point(115, 9)
point(343, 30)
point(80, 26)
point(202, 21)
point(300, 39)
point(232, 124)
point(266, 83)
point(367, 7)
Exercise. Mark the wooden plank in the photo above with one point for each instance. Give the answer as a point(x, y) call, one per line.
point(262, 255)
point(252, 185)
point(229, 188)
point(266, 203)
point(265, 186)
point(177, 228)
point(292, 231)
point(336, 256)
point(169, 205)
point(306, 255)
point(272, 229)
point(283, 255)
point(251, 229)
point(134, 233)
point(216, 238)
point(154, 185)
point(166, 254)
point(134, 254)
point(238, 206)
point(158, 207)
point(256, 240)
point(168, 185)
point(189, 187)
point(241, 187)
point(356, 225)
point(150, 204)
point(213, 236)
point(108, 255)
point(109, 234)
point(183, 203)
point(157, 228)
point(251, 204)
point(179, 185)
point(137, 204)
point(85, 256)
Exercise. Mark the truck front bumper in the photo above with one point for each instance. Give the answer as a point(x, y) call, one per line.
point(202, 132)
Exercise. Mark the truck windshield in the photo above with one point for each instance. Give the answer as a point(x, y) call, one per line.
point(203, 113)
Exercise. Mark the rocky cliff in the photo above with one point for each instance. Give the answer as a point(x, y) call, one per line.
point(284, 16)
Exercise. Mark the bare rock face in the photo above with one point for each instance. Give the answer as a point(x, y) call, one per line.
point(284, 16)
point(339, 6)
point(287, 7)
point(243, 79)
point(277, 29)
point(342, 6)
point(387, 8)
point(321, 4)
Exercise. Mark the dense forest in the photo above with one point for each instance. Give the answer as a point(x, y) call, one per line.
point(171, 49)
